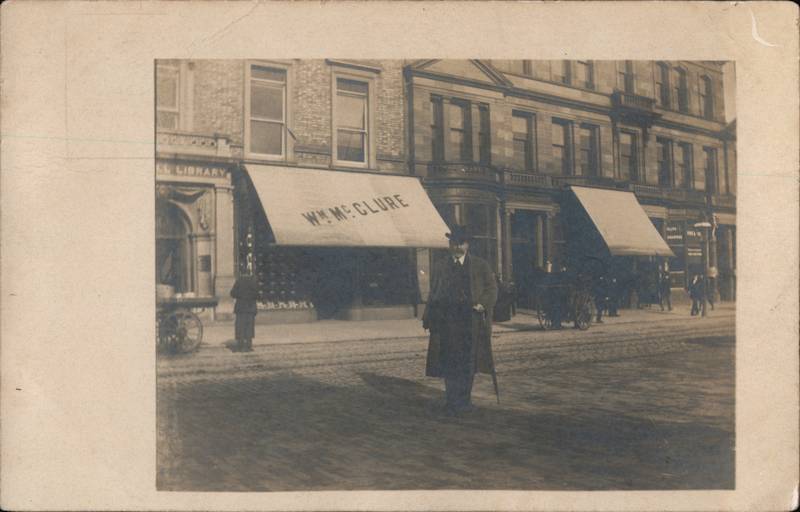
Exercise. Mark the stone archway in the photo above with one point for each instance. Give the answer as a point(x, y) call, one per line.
point(174, 261)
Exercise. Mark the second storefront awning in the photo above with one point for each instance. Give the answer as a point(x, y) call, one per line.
point(313, 207)
point(623, 224)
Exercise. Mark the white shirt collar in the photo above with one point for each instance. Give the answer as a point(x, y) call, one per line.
point(461, 259)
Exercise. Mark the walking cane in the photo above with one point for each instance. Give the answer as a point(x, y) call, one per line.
point(485, 322)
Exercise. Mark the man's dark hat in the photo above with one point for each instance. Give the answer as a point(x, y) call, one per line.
point(459, 235)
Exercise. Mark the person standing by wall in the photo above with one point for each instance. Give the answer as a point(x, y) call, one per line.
point(664, 289)
point(245, 293)
point(458, 315)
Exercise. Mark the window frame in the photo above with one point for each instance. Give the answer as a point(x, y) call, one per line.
point(370, 143)
point(668, 144)
point(173, 67)
point(466, 151)
point(437, 128)
point(568, 162)
point(588, 67)
point(248, 118)
point(682, 90)
point(663, 84)
point(633, 166)
point(706, 97)
point(530, 157)
point(711, 169)
point(484, 134)
point(628, 85)
point(688, 164)
point(593, 165)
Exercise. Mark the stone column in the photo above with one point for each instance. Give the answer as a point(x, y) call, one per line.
point(224, 270)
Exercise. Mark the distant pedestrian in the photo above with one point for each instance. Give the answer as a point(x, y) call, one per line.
point(665, 290)
point(697, 293)
point(711, 283)
point(600, 292)
point(458, 315)
point(614, 296)
point(245, 291)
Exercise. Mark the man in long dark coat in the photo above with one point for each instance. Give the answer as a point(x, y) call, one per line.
point(458, 314)
point(245, 291)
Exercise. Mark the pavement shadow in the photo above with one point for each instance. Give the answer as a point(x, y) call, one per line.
point(292, 432)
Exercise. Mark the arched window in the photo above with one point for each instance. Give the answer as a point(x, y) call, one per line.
point(173, 248)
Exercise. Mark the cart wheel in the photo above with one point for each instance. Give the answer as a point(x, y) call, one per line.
point(545, 322)
point(583, 317)
point(181, 331)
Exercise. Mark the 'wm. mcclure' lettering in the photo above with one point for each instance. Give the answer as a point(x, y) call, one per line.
point(354, 210)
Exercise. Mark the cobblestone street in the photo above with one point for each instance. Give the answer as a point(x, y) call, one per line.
point(633, 406)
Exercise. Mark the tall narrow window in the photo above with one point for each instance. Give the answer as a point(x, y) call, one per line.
point(664, 155)
point(437, 129)
point(707, 98)
point(566, 72)
point(484, 135)
point(681, 90)
point(167, 95)
point(584, 74)
point(710, 170)
point(626, 77)
point(662, 84)
point(267, 123)
point(589, 146)
point(562, 146)
point(682, 154)
point(628, 157)
point(460, 133)
point(522, 126)
point(527, 68)
point(352, 121)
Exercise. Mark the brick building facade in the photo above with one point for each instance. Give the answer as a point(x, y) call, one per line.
point(313, 114)
point(495, 143)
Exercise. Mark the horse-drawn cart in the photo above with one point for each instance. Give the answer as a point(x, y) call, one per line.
point(558, 303)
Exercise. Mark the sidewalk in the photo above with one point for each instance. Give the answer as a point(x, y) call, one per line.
point(216, 334)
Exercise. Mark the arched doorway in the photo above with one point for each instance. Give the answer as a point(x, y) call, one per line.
point(173, 248)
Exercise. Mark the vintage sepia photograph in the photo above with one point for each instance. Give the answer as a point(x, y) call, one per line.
point(452, 274)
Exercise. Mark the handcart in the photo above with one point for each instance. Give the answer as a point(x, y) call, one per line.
point(179, 328)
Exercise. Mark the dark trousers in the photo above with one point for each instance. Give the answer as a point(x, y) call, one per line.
point(458, 390)
point(666, 298)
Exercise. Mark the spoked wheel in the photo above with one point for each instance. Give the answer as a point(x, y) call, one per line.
point(583, 317)
point(545, 322)
point(180, 332)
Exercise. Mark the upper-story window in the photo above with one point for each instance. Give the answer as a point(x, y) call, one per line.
point(662, 84)
point(168, 95)
point(710, 170)
point(584, 74)
point(707, 97)
point(460, 130)
point(437, 129)
point(683, 165)
point(626, 76)
point(682, 90)
point(522, 125)
point(589, 150)
point(562, 71)
point(562, 146)
point(351, 119)
point(265, 134)
point(628, 157)
point(484, 135)
point(664, 156)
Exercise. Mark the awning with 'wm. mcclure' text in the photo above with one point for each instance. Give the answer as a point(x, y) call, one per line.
point(312, 207)
point(621, 221)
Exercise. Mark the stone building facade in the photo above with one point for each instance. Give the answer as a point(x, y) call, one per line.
point(498, 142)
